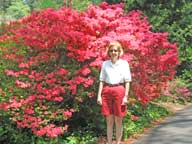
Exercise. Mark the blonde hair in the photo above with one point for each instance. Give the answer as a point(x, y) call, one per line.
point(117, 45)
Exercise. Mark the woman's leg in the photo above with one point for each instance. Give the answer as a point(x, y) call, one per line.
point(119, 129)
point(110, 123)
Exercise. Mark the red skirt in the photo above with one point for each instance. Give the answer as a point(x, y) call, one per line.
point(112, 97)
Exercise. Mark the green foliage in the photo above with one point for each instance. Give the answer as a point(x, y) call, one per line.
point(9, 133)
point(43, 4)
point(18, 9)
point(139, 117)
point(81, 4)
point(113, 1)
point(132, 4)
point(81, 138)
point(5, 4)
point(97, 2)
point(30, 3)
point(88, 119)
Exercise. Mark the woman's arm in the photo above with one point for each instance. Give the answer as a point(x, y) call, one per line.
point(99, 99)
point(125, 99)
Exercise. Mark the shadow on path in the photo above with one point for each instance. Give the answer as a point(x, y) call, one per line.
point(176, 130)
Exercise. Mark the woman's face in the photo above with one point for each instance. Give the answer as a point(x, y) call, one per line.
point(114, 52)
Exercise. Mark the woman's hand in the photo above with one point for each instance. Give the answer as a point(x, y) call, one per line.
point(99, 100)
point(125, 101)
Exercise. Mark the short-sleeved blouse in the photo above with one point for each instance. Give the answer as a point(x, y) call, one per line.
point(115, 73)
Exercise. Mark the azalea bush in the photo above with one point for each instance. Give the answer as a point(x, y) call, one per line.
point(50, 62)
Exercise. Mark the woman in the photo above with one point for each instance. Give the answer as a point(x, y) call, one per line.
point(113, 90)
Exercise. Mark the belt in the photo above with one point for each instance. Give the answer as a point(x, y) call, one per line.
point(113, 85)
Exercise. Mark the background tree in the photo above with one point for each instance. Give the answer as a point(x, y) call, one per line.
point(17, 10)
point(4, 4)
point(80, 4)
point(112, 1)
point(43, 4)
point(30, 3)
point(4, 18)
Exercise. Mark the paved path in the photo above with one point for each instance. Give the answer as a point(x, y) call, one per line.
point(176, 130)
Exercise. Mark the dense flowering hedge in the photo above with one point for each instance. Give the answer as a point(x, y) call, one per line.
point(51, 61)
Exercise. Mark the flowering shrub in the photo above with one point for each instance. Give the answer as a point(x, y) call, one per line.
point(177, 91)
point(51, 61)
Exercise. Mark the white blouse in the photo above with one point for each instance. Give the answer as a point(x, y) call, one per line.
point(115, 73)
